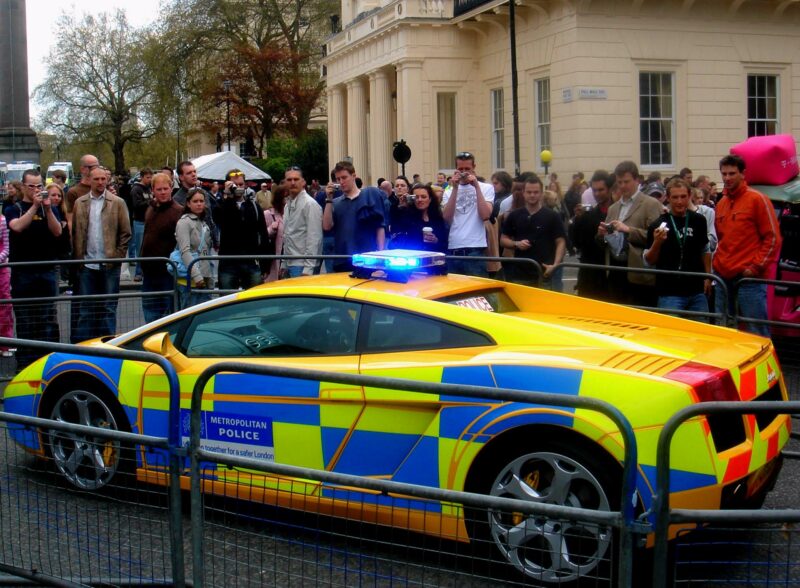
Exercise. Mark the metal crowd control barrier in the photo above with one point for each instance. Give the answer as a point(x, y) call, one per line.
point(172, 443)
point(721, 318)
point(624, 520)
point(793, 327)
point(661, 508)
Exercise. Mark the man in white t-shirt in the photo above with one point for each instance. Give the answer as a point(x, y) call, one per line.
point(467, 204)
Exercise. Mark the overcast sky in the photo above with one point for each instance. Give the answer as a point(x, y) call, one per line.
point(44, 29)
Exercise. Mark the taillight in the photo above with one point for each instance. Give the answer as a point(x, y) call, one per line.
point(709, 383)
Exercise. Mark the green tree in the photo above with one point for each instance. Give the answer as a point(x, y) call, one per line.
point(96, 89)
point(268, 49)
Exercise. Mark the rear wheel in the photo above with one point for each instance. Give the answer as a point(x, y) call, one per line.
point(552, 551)
point(88, 462)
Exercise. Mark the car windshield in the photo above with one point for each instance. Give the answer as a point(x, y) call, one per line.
point(494, 300)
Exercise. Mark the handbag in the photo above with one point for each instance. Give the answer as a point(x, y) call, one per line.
point(179, 269)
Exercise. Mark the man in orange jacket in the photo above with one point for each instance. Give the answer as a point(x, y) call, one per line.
point(749, 245)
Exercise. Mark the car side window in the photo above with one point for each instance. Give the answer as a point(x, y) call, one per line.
point(273, 327)
point(389, 329)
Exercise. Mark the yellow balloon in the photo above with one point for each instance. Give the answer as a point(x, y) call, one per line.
point(546, 156)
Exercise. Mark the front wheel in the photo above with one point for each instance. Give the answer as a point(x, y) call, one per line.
point(553, 551)
point(88, 462)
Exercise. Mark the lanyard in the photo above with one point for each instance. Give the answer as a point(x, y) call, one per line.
point(681, 236)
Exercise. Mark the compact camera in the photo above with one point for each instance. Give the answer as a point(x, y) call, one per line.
point(609, 228)
point(337, 187)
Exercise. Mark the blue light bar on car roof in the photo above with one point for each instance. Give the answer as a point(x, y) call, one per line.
point(398, 260)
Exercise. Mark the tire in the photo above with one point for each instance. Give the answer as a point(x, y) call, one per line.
point(549, 552)
point(87, 462)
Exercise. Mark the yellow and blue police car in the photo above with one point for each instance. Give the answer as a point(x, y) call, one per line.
point(432, 328)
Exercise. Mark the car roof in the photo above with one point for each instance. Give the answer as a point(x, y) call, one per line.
point(419, 285)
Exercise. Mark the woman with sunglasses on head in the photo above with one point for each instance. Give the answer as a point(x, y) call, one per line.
point(423, 224)
point(193, 238)
point(56, 194)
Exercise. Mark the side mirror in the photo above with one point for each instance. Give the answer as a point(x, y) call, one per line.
point(161, 344)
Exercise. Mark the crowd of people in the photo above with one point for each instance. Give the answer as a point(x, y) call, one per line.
point(618, 223)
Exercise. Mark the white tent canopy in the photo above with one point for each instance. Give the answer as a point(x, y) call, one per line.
point(216, 165)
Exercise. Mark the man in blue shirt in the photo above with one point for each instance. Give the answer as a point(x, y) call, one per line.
point(357, 217)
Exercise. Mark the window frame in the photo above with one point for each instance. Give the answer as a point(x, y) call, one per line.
point(444, 156)
point(673, 118)
point(497, 114)
point(538, 123)
point(777, 97)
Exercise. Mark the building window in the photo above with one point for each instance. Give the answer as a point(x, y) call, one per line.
point(762, 105)
point(446, 120)
point(498, 130)
point(543, 114)
point(656, 118)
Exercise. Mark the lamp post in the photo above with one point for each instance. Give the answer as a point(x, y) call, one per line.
point(227, 85)
point(546, 158)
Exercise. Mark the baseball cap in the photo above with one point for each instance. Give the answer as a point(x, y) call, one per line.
point(654, 188)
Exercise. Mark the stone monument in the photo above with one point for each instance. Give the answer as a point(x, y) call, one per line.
point(18, 141)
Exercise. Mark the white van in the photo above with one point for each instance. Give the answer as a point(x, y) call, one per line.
point(65, 166)
point(17, 168)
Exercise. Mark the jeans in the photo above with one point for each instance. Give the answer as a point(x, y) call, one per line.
point(135, 244)
point(556, 280)
point(242, 274)
point(752, 301)
point(295, 271)
point(195, 297)
point(155, 307)
point(97, 317)
point(34, 320)
point(329, 248)
point(695, 302)
point(465, 266)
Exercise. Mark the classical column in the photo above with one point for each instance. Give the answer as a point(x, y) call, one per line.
point(380, 125)
point(337, 125)
point(17, 139)
point(409, 112)
point(357, 126)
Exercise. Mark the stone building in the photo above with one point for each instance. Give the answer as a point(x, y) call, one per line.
point(667, 83)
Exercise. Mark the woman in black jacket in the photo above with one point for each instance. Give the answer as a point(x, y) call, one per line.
point(423, 224)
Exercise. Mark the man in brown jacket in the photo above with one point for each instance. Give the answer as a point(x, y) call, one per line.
point(101, 229)
point(625, 234)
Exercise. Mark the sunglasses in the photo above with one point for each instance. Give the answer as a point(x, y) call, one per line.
point(464, 155)
point(296, 168)
point(236, 174)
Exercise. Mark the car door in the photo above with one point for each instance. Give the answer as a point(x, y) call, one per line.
point(399, 434)
point(288, 420)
